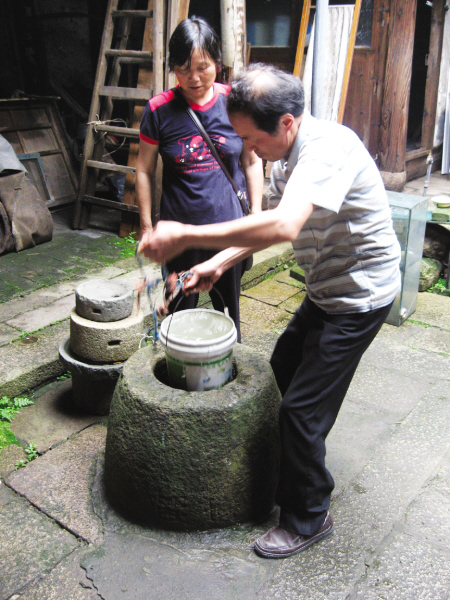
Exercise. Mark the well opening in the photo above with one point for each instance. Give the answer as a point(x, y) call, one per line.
point(161, 373)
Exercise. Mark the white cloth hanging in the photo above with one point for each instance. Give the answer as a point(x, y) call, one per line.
point(339, 28)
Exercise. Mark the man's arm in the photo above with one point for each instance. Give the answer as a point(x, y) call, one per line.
point(205, 275)
point(261, 230)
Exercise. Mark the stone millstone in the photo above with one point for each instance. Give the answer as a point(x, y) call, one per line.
point(105, 342)
point(104, 300)
point(193, 460)
point(92, 385)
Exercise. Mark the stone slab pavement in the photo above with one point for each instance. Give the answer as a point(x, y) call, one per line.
point(389, 453)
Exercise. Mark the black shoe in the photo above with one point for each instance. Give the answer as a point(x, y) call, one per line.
point(280, 543)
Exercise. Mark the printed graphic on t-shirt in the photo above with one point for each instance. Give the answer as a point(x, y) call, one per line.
point(195, 154)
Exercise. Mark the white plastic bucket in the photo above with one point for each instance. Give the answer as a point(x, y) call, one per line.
point(199, 349)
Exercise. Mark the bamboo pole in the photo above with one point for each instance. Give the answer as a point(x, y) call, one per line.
point(302, 38)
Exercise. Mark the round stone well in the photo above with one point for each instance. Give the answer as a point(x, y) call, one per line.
point(193, 460)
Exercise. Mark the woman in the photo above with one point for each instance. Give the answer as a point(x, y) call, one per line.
point(195, 190)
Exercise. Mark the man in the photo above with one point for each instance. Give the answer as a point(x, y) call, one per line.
point(329, 200)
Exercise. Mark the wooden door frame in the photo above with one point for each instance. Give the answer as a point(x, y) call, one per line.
point(416, 160)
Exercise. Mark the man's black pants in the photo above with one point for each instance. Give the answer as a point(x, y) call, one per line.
point(314, 361)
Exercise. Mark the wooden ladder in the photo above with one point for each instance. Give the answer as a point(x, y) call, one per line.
point(117, 31)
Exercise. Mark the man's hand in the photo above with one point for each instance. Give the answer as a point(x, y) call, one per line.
point(203, 276)
point(163, 242)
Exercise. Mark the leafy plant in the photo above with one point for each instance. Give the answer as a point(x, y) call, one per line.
point(439, 287)
point(31, 452)
point(67, 375)
point(127, 245)
point(8, 407)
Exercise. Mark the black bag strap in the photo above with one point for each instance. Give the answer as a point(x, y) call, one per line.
point(212, 147)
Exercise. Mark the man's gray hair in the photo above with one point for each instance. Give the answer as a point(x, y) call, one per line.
point(265, 94)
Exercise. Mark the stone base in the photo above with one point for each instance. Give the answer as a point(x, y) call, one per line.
point(105, 343)
point(395, 182)
point(104, 300)
point(193, 460)
point(92, 385)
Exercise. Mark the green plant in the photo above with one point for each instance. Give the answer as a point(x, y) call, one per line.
point(31, 452)
point(8, 408)
point(127, 245)
point(421, 323)
point(439, 287)
point(67, 375)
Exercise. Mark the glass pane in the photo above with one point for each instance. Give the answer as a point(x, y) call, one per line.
point(268, 22)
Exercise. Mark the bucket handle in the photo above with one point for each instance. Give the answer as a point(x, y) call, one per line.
point(225, 309)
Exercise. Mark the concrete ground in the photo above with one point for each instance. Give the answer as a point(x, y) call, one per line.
point(389, 453)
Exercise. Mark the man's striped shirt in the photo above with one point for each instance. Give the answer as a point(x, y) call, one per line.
point(348, 247)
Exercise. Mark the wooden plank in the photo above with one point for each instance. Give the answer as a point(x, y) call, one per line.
point(143, 62)
point(177, 11)
point(358, 106)
point(380, 28)
point(298, 64)
point(129, 54)
point(122, 93)
point(60, 182)
point(63, 143)
point(158, 46)
point(97, 164)
point(397, 86)
point(124, 131)
point(416, 162)
point(104, 202)
point(145, 14)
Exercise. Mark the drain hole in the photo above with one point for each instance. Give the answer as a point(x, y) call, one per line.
point(114, 342)
point(97, 311)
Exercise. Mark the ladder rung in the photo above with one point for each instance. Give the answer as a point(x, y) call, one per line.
point(124, 131)
point(125, 93)
point(143, 61)
point(146, 14)
point(96, 164)
point(130, 53)
point(110, 204)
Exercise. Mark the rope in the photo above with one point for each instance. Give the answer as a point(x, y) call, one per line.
point(105, 133)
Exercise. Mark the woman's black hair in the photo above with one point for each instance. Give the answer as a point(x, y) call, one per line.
point(265, 93)
point(190, 34)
